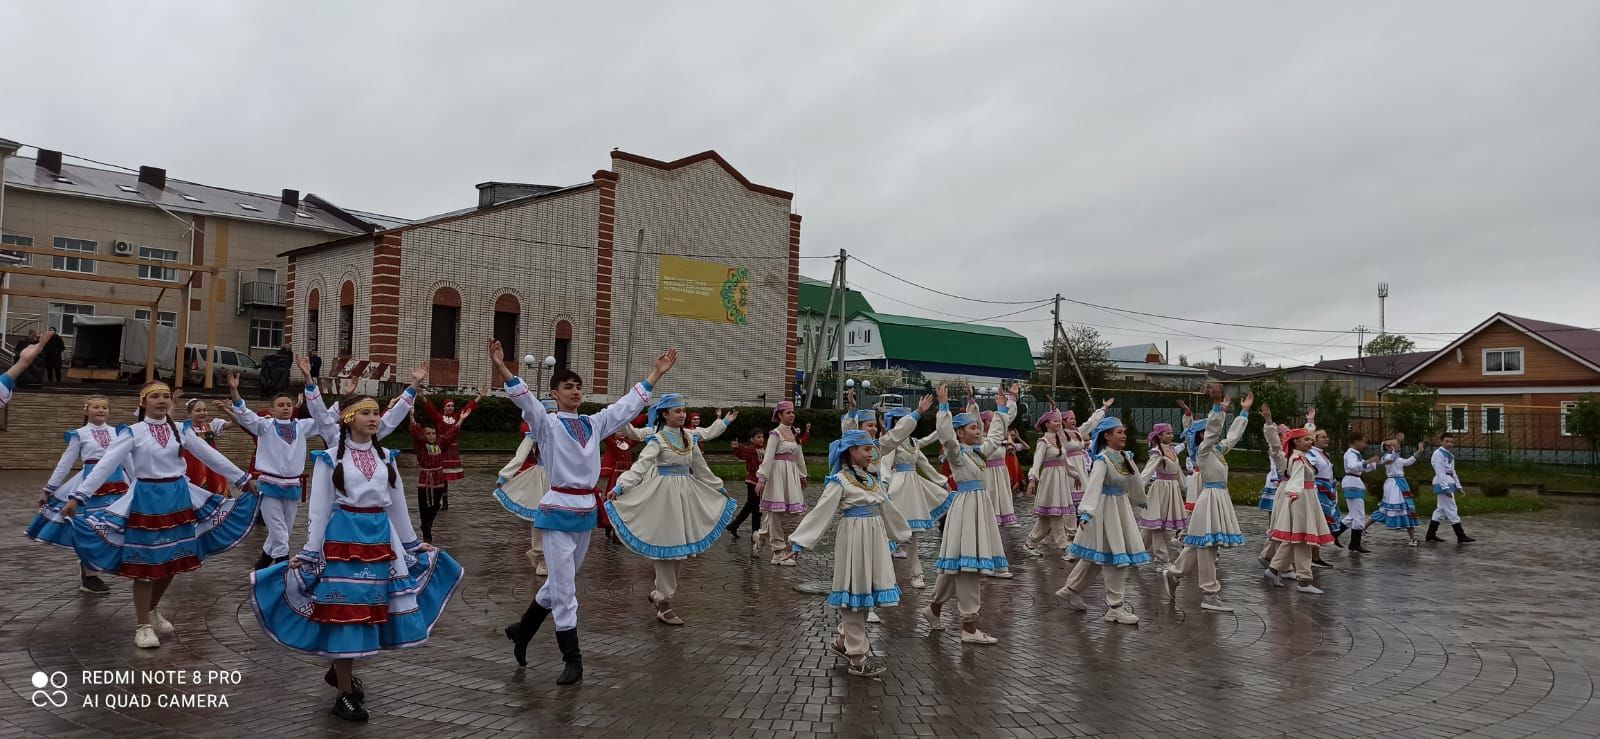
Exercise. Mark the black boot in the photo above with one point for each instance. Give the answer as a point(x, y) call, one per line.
point(264, 561)
point(332, 678)
point(573, 672)
point(1355, 542)
point(1336, 536)
point(349, 708)
point(521, 632)
point(1461, 534)
point(1433, 531)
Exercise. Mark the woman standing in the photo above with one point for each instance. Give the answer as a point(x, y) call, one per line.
point(1164, 512)
point(781, 481)
point(912, 492)
point(1213, 527)
point(1107, 543)
point(674, 514)
point(1298, 523)
point(971, 545)
point(364, 582)
point(1051, 482)
point(863, 573)
point(88, 443)
point(165, 525)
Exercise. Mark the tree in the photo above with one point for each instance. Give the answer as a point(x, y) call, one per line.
point(1584, 420)
point(1183, 360)
point(1094, 358)
point(1413, 411)
point(1333, 411)
point(1248, 359)
point(1275, 392)
point(1384, 345)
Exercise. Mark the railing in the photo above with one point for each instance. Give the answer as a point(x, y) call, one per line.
point(269, 294)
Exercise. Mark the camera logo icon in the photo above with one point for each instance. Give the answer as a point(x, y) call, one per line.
point(48, 689)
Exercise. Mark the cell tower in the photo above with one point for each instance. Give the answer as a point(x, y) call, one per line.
point(1383, 296)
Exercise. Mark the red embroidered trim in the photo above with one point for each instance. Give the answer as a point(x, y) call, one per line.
point(346, 551)
point(1294, 537)
point(161, 521)
point(160, 571)
point(345, 613)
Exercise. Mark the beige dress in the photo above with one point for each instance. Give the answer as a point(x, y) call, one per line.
point(1213, 522)
point(863, 571)
point(1053, 482)
point(1297, 516)
point(971, 535)
point(1163, 476)
point(1111, 535)
point(669, 505)
point(911, 476)
point(520, 490)
point(997, 480)
point(783, 466)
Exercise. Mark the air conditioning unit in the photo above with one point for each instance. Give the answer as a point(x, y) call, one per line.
point(122, 249)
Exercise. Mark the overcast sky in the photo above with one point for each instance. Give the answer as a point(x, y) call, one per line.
point(1248, 162)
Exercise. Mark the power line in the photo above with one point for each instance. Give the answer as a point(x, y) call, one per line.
point(893, 276)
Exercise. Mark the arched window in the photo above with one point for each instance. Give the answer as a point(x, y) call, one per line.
point(313, 305)
point(563, 343)
point(446, 323)
point(507, 318)
point(347, 318)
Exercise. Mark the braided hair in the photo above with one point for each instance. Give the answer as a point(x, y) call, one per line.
point(138, 415)
point(344, 434)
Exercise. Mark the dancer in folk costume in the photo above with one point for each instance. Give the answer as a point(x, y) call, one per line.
point(279, 462)
point(781, 481)
point(1298, 523)
point(428, 444)
point(669, 506)
point(1052, 481)
point(1273, 434)
point(88, 444)
point(569, 445)
point(25, 359)
point(1164, 493)
point(863, 572)
point(444, 420)
point(1355, 489)
point(1398, 510)
point(1327, 493)
point(209, 430)
point(1076, 450)
point(1269, 489)
point(363, 583)
point(750, 454)
point(913, 491)
point(521, 484)
point(971, 547)
point(164, 525)
point(615, 458)
point(1213, 525)
point(1446, 486)
point(997, 479)
point(1014, 445)
point(1108, 541)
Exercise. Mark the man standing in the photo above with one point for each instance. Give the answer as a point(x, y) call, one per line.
point(316, 368)
point(54, 347)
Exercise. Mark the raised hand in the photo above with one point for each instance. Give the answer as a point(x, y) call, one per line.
point(942, 393)
point(348, 386)
point(664, 364)
point(1311, 414)
point(1266, 413)
point(32, 351)
point(1249, 400)
point(924, 403)
point(303, 363)
point(1215, 391)
point(1015, 391)
point(418, 375)
point(850, 398)
point(497, 353)
point(233, 380)
point(1185, 407)
point(1106, 404)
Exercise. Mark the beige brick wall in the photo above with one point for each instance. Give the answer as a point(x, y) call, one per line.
point(701, 210)
point(35, 422)
point(325, 271)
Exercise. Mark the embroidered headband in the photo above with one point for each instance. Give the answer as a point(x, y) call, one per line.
point(349, 414)
point(152, 388)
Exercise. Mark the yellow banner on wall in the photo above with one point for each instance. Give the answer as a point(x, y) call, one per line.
point(704, 291)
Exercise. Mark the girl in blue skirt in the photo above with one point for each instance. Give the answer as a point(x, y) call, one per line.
point(164, 525)
point(364, 581)
point(87, 443)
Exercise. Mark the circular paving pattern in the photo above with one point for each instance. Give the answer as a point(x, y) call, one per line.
point(1492, 639)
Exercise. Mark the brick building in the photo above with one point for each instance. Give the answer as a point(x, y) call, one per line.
point(565, 272)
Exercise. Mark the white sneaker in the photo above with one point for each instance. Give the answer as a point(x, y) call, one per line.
point(918, 583)
point(786, 561)
point(145, 637)
point(1122, 615)
point(1003, 575)
point(1074, 601)
point(933, 620)
point(1309, 589)
point(1214, 603)
point(1272, 578)
point(540, 569)
point(1032, 549)
point(1411, 543)
point(163, 626)
point(872, 617)
point(977, 637)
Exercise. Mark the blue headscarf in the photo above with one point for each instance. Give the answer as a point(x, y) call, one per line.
point(1190, 436)
point(550, 405)
point(864, 415)
point(962, 420)
point(851, 438)
point(891, 416)
point(1095, 440)
point(670, 400)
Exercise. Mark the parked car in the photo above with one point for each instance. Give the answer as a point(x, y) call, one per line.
point(223, 359)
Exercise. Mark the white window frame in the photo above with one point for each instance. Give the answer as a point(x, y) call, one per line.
point(1485, 412)
point(269, 329)
point(1566, 410)
point(1522, 361)
point(26, 260)
point(152, 272)
point(57, 320)
point(1466, 419)
point(73, 253)
point(163, 318)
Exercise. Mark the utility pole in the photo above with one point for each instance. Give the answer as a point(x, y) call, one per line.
point(838, 374)
point(1055, 345)
point(1383, 297)
point(1361, 343)
point(822, 330)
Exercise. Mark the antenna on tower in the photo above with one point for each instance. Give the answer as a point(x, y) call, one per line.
point(1383, 297)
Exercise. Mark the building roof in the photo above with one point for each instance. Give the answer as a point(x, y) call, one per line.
point(1151, 368)
point(814, 297)
point(915, 339)
point(182, 196)
point(1582, 345)
point(1239, 372)
point(1393, 365)
point(1135, 353)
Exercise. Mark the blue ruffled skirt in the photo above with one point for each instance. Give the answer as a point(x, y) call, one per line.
point(161, 528)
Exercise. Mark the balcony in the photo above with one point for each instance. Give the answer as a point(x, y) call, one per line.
point(262, 295)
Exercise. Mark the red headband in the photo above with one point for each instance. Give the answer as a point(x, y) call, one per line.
point(1293, 434)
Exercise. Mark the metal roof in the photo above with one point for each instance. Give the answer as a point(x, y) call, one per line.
point(1135, 353)
point(926, 340)
point(179, 196)
point(814, 297)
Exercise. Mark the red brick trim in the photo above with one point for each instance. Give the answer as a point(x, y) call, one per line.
point(603, 275)
point(288, 308)
point(791, 330)
point(383, 334)
point(701, 157)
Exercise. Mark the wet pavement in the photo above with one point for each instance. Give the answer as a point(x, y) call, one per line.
point(1493, 639)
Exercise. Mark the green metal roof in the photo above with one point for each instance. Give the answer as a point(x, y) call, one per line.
point(814, 296)
point(926, 340)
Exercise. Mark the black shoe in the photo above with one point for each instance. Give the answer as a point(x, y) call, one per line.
point(262, 562)
point(93, 585)
point(1433, 531)
point(521, 632)
point(573, 672)
point(733, 532)
point(332, 678)
point(1336, 541)
point(348, 707)
point(1318, 562)
point(1355, 543)
point(1461, 534)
